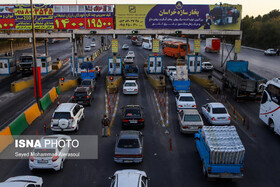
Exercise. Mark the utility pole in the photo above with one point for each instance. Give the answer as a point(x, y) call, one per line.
point(35, 57)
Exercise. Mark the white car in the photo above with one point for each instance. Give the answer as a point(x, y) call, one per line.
point(270, 52)
point(128, 59)
point(49, 155)
point(92, 44)
point(184, 101)
point(129, 178)
point(169, 69)
point(67, 117)
point(131, 54)
point(207, 66)
point(189, 120)
point(172, 75)
point(216, 114)
point(23, 181)
point(125, 46)
point(130, 87)
point(87, 48)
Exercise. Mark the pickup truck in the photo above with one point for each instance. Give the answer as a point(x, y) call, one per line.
point(221, 152)
point(131, 71)
point(180, 81)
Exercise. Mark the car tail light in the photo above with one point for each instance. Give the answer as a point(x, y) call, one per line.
point(200, 127)
point(31, 158)
point(73, 97)
point(72, 118)
point(141, 120)
point(180, 106)
point(55, 158)
point(135, 89)
point(213, 119)
point(125, 120)
point(91, 87)
point(124, 89)
point(242, 170)
point(229, 118)
point(168, 70)
point(87, 96)
point(194, 106)
point(209, 169)
point(185, 127)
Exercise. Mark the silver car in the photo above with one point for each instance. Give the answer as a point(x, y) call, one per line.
point(23, 181)
point(129, 147)
point(189, 120)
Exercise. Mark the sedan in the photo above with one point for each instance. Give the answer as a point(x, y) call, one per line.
point(184, 101)
point(270, 52)
point(131, 54)
point(125, 47)
point(130, 87)
point(129, 147)
point(92, 44)
point(25, 180)
point(216, 114)
point(129, 177)
point(49, 156)
point(189, 120)
point(207, 66)
point(132, 116)
point(87, 48)
point(169, 69)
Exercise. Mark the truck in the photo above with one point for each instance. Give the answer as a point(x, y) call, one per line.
point(221, 152)
point(213, 45)
point(180, 81)
point(131, 71)
point(136, 41)
point(243, 82)
point(26, 63)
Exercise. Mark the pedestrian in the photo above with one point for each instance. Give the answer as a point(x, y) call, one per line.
point(277, 52)
point(105, 125)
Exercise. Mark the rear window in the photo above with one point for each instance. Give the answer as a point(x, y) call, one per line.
point(80, 94)
point(192, 118)
point(172, 69)
point(219, 111)
point(44, 152)
point(132, 112)
point(62, 115)
point(130, 84)
point(128, 143)
point(186, 98)
point(86, 83)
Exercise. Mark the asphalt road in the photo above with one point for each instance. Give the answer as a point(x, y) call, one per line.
point(180, 166)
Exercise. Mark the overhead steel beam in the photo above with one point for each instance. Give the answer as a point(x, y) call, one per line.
point(38, 35)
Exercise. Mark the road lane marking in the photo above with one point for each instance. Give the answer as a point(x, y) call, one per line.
point(158, 107)
point(114, 115)
point(166, 110)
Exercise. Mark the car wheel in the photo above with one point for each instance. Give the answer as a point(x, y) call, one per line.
point(271, 125)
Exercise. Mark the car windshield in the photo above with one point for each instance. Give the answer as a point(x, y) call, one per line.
point(130, 84)
point(172, 69)
point(128, 143)
point(80, 94)
point(44, 152)
point(132, 112)
point(190, 118)
point(186, 98)
point(219, 111)
point(86, 83)
point(62, 115)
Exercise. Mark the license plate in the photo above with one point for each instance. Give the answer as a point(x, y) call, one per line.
point(25, 69)
point(193, 127)
point(221, 118)
point(80, 101)
point(127, 161)
point(133, 121)
point(42, 161)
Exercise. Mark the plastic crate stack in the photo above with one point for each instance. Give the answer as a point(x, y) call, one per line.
point(224, 144)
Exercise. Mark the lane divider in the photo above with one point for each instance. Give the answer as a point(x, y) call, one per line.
point(166, 110)
point(158, 107)
point(106, 104)
point(114, 115)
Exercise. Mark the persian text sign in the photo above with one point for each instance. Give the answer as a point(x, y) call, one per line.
point(196, 46)
point(155, 46)
point(115, 47)
point(7, 20)
point(237, 47)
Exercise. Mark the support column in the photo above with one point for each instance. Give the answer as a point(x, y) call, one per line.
point(11, 47)
point(46, 47)
point(222, 52)
point(73, 55)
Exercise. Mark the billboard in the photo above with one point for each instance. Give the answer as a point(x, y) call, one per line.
point(178, 16)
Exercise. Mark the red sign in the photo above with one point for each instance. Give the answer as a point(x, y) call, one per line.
point(7, 23)
point(83, 23)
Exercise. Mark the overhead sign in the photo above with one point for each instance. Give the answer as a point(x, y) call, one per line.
point(179, 16)
point(196, 46)
point(115, 46)
point(237, 47)
point(155, 46)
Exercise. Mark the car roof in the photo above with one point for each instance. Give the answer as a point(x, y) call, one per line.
point(190, 111)
point(13, 184)
point(130, 81)
point(129, 134)
point(206, 62)
point(185, 94)
point(171, 66)
point(65, 107)
point(27, 178)
point(81, 89)
point(217, 105)
point(129, 177)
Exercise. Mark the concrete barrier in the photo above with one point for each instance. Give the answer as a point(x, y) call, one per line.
point(6, 138)
point(53, 94)
point(45, 102)
point(113, 85)
point(18, 125)
point(32, 113)
point(206, 83)
point(17, 86)
point(156, 82)
point(67, 85)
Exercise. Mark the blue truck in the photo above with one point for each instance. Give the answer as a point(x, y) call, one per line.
point(131, 71)
point(222, 152)
point(243, 82)
point(180, 81)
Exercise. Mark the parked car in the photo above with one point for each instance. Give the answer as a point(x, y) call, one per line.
point(132, 116)
point(82, 95)
point(184, 101)
point(125, 47)
point(130, 87)
point(23, 181)
point(270, 52)
point(189, 120)
point(90, 83)
point(131, 54)
point(67, 117)
point(49, 156)
point(129, 147)
point(87, 48)
point(216, 113)
point(207, 66)
point(92, 44)
point(129, 178)
point(169, 69)
point(128, 59)
point(172, 75)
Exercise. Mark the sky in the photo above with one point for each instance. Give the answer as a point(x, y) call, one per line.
point(249, 7)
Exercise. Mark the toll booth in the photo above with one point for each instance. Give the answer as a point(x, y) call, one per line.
point(77, 64)
point(194, 63)
point(45, 63)
point(155, 64)
point(115, 65)
point(7, 65)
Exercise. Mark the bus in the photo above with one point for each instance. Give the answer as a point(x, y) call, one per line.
point(270, 105)
point(173, 49)
point(147, 43)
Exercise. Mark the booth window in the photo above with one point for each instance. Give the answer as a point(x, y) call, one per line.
point(1, 65)
point(111, 65)
point(191, 63)
point(6, 65)
point(43, 64)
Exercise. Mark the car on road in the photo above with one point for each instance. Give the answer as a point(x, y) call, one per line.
point(128, 59)
point(185, 101)
point(130, 87)
point(93, 39)
point(67, 116)
point(125, 47)
point(92, 44)
point(89, 83)
point(87, 48)
point(172, 75)
point(129, 147)
point(189, 120)
point(132, 117)
point(129, 178)
point(270, 52)
point(23, 181)
point(216, 113)
point(169, 69)
point(131, 54)
point(49, 155)
point(82, 95)
point(207, 66)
